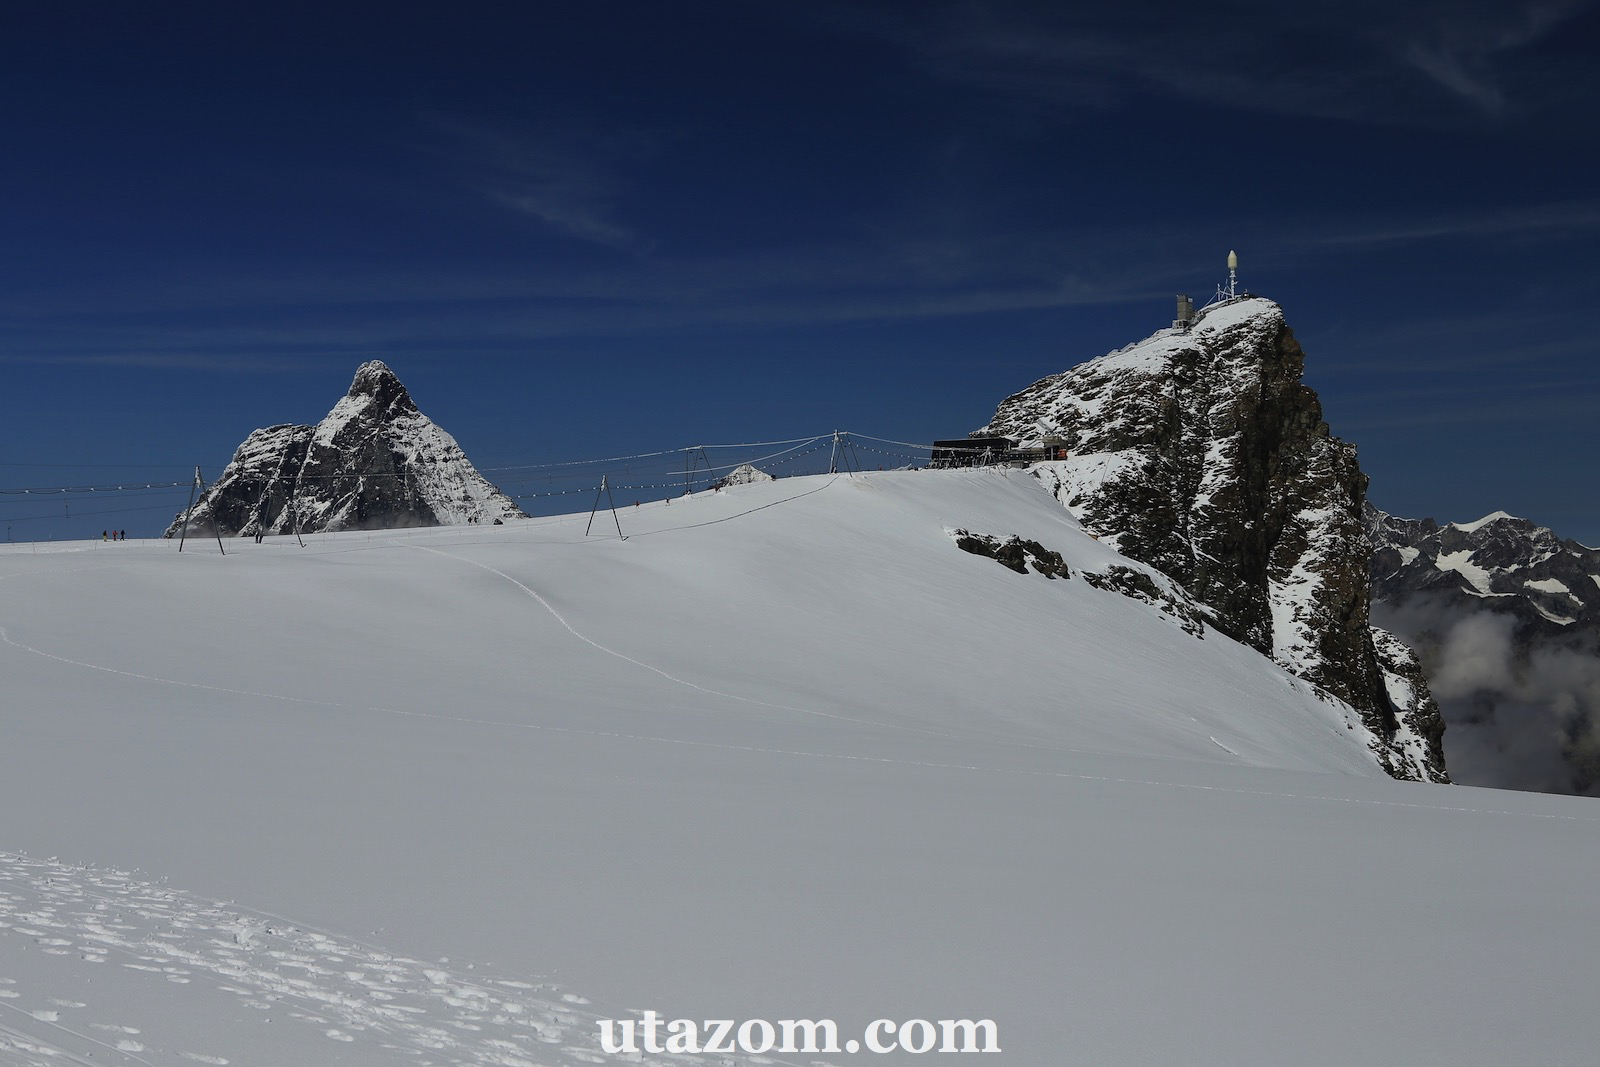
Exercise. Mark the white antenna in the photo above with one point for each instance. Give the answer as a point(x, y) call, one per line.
point(1230, 291)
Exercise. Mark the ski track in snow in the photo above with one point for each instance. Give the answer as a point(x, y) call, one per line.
point(796, 752)
point(801, 753)
point(674, 678)
point(353, 993)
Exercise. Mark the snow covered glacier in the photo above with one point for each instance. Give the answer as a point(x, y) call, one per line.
point(453, 795)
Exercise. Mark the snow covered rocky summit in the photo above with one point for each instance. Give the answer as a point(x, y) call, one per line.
point(743, 474)
point(1201, 453)
point(375, 462)
point(1506, 617)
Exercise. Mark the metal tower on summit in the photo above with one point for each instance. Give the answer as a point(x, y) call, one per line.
point(1229, 290)
point(1186, 317)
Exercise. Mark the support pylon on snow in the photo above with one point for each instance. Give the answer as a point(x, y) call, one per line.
point(294, 517)
point(843, 449)
point(606, 489)
point(691, 463)
point(188, 508)
point(199, 483)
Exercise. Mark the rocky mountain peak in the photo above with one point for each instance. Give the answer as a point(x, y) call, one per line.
point(1506, 616)
point(1202, 453)
point(375, 382)
point(1548, 582)
point(374, 462)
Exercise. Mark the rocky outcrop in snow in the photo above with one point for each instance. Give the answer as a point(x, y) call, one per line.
point(1201, 453)
point(1506, 617)
point(1014, 553)
point(375, 462)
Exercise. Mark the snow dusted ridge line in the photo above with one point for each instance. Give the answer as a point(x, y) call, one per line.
point(1507, 618)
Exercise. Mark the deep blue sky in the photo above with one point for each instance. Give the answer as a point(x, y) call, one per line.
point(581, 230)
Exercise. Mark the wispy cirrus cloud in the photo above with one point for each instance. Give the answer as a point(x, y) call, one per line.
point(1462, 46)
point(565, 179)
point(1357, 61)
point(221, 320)
point(907, 273)
point(1522, 221)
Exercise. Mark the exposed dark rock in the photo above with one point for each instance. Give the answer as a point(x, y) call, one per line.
point(1408, 688)
point(1202, 454)
point(1137, 585)
point(1015, 553)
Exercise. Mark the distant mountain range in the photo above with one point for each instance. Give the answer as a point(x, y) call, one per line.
point(1506, 618)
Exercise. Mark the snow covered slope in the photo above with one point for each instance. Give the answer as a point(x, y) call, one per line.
point(374, 462)
point(453, 795)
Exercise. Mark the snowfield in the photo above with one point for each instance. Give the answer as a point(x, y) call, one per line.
point(453, 795)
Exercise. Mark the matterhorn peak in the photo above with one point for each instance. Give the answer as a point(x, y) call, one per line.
point(374, 462)
point(376, 381)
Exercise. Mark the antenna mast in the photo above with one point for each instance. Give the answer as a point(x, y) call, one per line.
point(1230, 291)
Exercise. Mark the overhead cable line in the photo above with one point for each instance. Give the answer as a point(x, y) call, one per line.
point(652, 455)
point(57, 490)
point(99, 466)
point(554, 471)
point(78, 514)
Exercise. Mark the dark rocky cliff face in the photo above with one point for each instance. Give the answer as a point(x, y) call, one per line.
point(1505, 616)
point(1203, 454)
point(375, 462)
